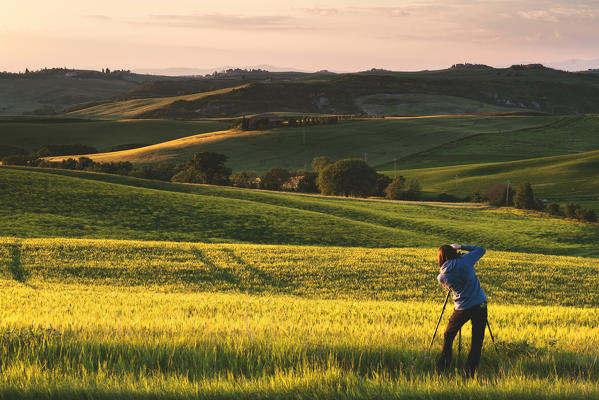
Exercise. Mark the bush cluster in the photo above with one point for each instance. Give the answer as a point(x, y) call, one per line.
point(525, 199)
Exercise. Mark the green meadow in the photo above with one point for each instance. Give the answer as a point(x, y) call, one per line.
point(31, 133)
point(572, 177)
point(413, 142)
point(46, 203)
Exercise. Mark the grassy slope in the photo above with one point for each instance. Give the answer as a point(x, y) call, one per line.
point(564, 135)
point(573, 176)
point(136, 107)
point(382, 140)
point(32, 133)
point(18, 96)
point(54, 203)
point(415, 104)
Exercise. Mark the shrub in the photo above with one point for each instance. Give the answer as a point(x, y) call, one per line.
point(554, 209)
point(570, 210)
point(274, 178)
point(497, 193)
point(584, 214)
point(244, 179)
point(349, 177)
point(448, 198)
point(320, 163)
point(525, 198)
point(478, 197)
point(414, 190)
point(396, 189)
point(162, 172)
point(307, 183)
point(382, 181)
point(205, 167)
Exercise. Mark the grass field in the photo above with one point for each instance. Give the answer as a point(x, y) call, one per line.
point(18, 96)
point(30, 133)
point(61, 203)
point(414, 142)
point(417, 104)
point(559, 178)
point(181, 320)
point(137, 107)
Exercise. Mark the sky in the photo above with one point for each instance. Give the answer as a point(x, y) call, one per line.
point(337, 35)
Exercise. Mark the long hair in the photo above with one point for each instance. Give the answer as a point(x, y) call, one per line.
point(446, 253)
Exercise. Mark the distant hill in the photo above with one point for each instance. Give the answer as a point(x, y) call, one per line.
point(525, 87)
point(48, 91)
point(139, 107)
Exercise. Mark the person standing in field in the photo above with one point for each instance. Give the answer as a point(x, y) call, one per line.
point(458, 275)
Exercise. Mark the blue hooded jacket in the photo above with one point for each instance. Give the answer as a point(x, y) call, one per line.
point(458, 276)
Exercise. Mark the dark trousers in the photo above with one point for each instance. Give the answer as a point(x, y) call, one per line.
point(478, 316)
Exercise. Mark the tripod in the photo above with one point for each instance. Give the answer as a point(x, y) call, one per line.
point(460, 332)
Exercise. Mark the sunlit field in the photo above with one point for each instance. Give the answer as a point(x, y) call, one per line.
point(126, 319)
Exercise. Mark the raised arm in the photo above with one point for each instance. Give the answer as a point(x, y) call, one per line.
point(474, 252)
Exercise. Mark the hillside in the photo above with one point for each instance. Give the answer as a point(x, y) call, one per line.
point(138, 107)
point(52, 90)
point(562, 178)
point(413, 142)
point(30, 133)
point(60, 203)
point(535, 89)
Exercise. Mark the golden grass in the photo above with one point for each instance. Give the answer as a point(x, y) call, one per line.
point(178, 149)
point(135, 107)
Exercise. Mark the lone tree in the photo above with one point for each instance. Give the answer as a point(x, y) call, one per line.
point(350, 177)
point(205, 167)
point(274, 178)
point(525, 198)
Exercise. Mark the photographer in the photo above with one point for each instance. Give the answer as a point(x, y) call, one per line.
point(458, 275)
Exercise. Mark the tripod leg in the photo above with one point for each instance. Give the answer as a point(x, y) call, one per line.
point(492, 338)
point(438, 322)
point(459, 346)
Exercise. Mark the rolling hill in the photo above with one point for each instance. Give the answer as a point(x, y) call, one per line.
point(524, 87)
point(560, 178)
point(30, 133)
point(138, 107)
point(414, 142)
point(60, 203)
point(50, 91)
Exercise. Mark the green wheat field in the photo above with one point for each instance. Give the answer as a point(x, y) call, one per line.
point(115, 287)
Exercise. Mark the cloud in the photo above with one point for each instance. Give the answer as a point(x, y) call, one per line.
point(227, 22)
point(325, 12)
point(555, 14)
point(99, 17)
point(383, 11)
point(538, 15)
